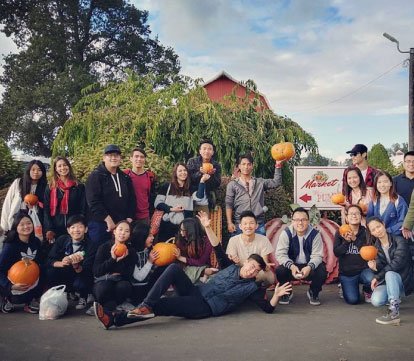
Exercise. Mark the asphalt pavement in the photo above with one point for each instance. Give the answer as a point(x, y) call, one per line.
point(299, 331)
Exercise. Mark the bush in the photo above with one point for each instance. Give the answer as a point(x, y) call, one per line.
point(9, 168)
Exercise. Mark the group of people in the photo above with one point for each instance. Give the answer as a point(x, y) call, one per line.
point(97, 238)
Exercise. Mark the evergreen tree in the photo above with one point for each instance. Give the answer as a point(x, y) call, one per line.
point(378, 158)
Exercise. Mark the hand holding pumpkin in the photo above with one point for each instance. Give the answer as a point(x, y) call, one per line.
point(153, 256)
point(20, 287)
point(205, 178)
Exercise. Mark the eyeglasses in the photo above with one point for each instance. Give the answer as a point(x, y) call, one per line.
point(300, 220)
point(409, 161)
point(353, 154)
point(354, 214)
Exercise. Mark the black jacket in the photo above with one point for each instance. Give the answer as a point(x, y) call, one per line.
point(105, 199)
point(350, 261)
point(77, 205)
point(63, 247)
point(400, 261)
point(105, 264)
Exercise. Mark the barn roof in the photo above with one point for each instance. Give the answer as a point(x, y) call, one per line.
point(228, 76)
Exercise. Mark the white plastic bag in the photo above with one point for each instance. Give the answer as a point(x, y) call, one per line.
point(53, 303)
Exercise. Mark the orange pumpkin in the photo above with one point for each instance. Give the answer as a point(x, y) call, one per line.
point(283, 151)
point(338, 198)
point(363, 206)
point(25, 272)
point(344, 229)
point(207, 167)
point(166, 253)
point(31, 199)
point(368, 253)
point(120, 249)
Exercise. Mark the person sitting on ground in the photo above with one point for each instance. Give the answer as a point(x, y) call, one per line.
point(299, 253)
point(240, 247)
point(227, 290)
point(194, 250)
point(246, 193)
point(393, 272)
point(71, 259)
point(353, 270)
point(386, 204)
point(113, 270)
point(20, 242)
point(195, 168)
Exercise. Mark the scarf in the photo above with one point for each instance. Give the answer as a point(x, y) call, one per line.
point(64, 204)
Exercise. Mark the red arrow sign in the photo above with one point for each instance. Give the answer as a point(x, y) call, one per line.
point(305, 198)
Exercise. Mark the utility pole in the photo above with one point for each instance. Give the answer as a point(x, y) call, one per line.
point(410, 90)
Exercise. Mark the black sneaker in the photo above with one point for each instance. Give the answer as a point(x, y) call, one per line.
point(105, 318)
point(285, 299)
point(6, 306)
point(313, 300)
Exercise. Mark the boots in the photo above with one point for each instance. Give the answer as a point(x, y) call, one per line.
point(393, 315)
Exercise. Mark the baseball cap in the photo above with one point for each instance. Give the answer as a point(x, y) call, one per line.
point(112, 148)
point(358, 148)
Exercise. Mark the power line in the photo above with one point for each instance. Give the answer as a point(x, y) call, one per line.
point(350, 93)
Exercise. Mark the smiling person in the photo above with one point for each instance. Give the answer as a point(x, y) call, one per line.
point(359, 156)
point(33, 182)
point(387, 204)
point(404, 182)
point(227, 290)
point(110, 196)
point(393, 273)
point(240, 247)
point(196, 170)
point(246, 193)
point(64, 197)
point(20, 242)
point(71, 259)
point(113, 269)
point(143, 182)
point(176, 199)
point(299, 253)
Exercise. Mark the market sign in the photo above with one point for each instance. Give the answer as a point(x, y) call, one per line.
point(316, 185)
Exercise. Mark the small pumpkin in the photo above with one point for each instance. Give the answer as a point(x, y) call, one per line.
point(363, 206)
point(338, 198)
point(207, 167)
point(120, 249)
point(344, 229)
point(368, 253)
point(283, 151)
point(31, 199)
point(25, 271)
point(166, 253)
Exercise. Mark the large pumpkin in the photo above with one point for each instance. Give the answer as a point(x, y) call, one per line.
point(31, 199)
point(368, 253)
point(120, 249)
point(166, 253)
point(338, 198)
point(25, 272)
point(326, 227)
point(207, 167)
point(283, 151)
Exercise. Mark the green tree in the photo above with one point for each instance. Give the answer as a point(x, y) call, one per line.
point(64, 46)
point(171, 121)
point(378, 158)
point(9, 168)
point(396, 147)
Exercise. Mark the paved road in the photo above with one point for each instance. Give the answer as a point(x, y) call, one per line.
point(332, 331)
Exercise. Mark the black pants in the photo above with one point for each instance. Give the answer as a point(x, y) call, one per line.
point(139, 292)
point(75, 282)
point(317, 276)
point(112, 293)
point(188, 303)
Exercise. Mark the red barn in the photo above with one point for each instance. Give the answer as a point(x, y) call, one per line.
point(223, 84)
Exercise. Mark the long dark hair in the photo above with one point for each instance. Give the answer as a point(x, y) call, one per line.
point(392, 193)
point(348, 189)
point(140, 232)
point(55, 175)
point(175, 188)
point(193, 243)
point(116, 226)
point(12, 235)
point(25, 182)
point(370, 238)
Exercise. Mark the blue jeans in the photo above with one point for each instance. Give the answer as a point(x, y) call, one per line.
point(393, 289)
point(260, 230)
point(350, 285)
point(97, 232)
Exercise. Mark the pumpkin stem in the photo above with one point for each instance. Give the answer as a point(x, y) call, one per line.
point(26, 261)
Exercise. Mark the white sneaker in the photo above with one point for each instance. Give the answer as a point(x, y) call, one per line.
point(90, 299)
point(125, 306)
point(81, 304)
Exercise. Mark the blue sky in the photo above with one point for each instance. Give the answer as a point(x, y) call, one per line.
point(304, 56)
